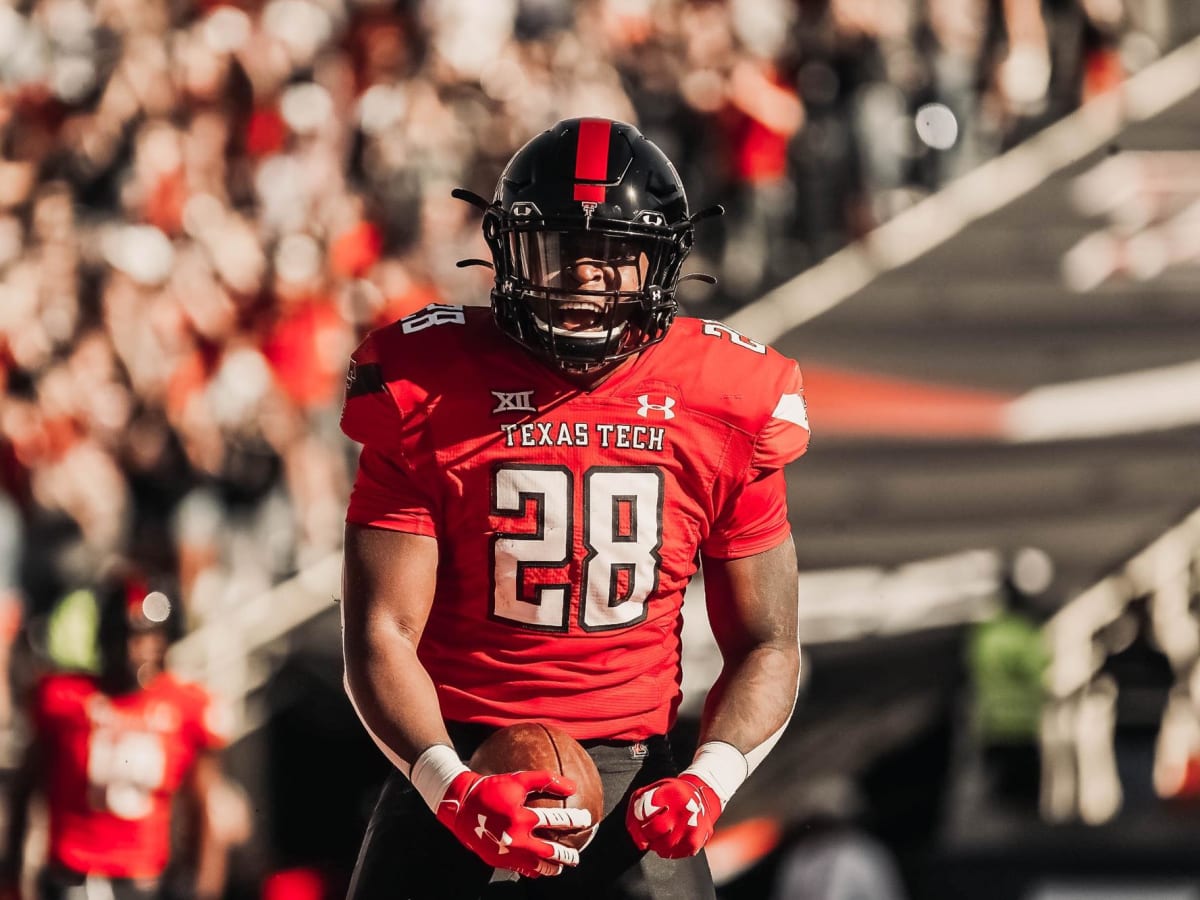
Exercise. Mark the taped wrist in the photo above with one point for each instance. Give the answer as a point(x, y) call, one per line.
point(723, 767)
point(433, 771)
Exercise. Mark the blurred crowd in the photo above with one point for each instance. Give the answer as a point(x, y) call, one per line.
point(205, 204)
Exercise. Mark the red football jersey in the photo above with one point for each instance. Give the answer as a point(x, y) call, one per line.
point(568, 521)
point(114, 764)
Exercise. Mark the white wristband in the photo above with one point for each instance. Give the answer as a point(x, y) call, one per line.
point(433, 771)
point(723, 767)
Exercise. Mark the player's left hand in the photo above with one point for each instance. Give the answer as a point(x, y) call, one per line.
point(674, 817)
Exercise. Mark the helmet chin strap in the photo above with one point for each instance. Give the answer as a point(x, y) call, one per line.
point(583, 368)
point(575, 367)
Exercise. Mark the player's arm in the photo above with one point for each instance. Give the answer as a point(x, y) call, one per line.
point(750, 582)
point(388, 591)
point(752, 607)
point(751, 587)
point(388, 588)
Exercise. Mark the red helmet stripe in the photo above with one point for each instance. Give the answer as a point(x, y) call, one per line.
point(591, 159)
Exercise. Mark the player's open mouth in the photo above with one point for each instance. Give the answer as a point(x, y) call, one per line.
point(581, 321)
point(579, 315)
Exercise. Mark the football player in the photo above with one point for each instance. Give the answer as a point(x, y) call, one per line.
point(538, 483)
point(110, 752)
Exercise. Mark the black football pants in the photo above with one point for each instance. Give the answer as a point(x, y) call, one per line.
point(408, 855)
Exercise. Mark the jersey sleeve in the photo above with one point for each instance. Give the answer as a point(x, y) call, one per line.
point(752, 521)
point(754, 518)
point(784, 437)
point(369, 412)
point(387, 493)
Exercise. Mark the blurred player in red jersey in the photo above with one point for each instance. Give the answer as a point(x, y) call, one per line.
point(110, 752)
point(537, 485)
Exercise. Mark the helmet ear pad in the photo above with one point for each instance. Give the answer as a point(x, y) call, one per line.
point(597, 183)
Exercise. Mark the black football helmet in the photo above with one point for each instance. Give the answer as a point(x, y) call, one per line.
point(588, 230)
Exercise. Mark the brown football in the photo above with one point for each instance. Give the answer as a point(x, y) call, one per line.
point(533, 745)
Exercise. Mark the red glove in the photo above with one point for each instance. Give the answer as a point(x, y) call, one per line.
point(487, 813)
point(673, 817)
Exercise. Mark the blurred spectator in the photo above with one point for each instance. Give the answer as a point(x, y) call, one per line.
point(111, 752)
point(1007, 658)
point(733, 78)
point(857, 72)
point(1118, 742)
point(1143, 677)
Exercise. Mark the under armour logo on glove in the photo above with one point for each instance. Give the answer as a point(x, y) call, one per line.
point(488, 815)
point(673, 817)
point(501, 842)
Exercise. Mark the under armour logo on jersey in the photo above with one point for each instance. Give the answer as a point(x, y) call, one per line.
point(664, 408)
point(501, 842)
point(514, 401)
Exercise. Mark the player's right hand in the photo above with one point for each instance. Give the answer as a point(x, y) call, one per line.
point(674, 817)
point(487, 813)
